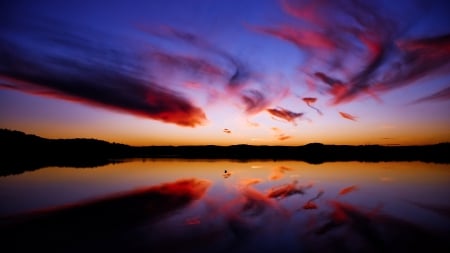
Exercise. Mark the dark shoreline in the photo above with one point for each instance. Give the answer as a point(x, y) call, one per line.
point(23, 152)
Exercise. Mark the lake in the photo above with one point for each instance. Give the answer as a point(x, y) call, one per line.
point(176, 205)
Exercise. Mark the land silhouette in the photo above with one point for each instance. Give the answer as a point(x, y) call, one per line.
point(24, 152)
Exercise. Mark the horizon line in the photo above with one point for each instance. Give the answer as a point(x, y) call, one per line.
point(217, 145)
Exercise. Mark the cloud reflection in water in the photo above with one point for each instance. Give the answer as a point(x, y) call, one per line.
point(253, 215)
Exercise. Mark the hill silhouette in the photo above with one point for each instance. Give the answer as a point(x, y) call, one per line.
point(22, 152)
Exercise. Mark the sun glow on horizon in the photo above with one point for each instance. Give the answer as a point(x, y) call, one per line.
point(332, 74)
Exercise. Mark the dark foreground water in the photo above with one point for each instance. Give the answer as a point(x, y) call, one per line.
point(227, 206)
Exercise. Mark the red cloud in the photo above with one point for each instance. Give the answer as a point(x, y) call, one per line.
point(284, 191)
point(347, 116)
point(347, 190)
point(283, 137)
point(310, 101)
point(336, 35)
point(138, 99)
point(278, 172)
point(300, 38)
point(105, 216)
point(287, 115)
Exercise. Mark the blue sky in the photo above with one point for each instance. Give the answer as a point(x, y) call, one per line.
point(227, 72)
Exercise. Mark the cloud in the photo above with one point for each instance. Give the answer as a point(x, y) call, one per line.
point(347, 116)
point(347, 190)
point(367, 47)
point(227, 131)
point(236, 220)
point(303, 39)
point(280, 135)
point(286, 190)
point(278, 172)
point(254, 90)
point(143, 80)
point(349, 50)
point(252, 124)
point(254, 101)
point(285, 114)
point(310, 204)
point(441, 95)
point(195, 66)
point(283, 137)
point(417, 59)
point(88, 73)
point(107, 218)
point(235, 71)
point(249, 182)
point(310, 101)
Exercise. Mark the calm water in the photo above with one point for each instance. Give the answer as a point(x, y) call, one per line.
point(255, 206)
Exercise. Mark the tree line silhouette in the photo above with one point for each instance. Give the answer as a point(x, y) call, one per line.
point(22, 152)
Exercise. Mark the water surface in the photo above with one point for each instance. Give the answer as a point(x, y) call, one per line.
point(262, 206)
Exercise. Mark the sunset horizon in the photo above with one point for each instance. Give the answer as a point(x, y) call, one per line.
point(198, 126)
point(219, 145)
point(282, 73)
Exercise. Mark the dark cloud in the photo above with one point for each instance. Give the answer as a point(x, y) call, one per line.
point(83, 71)
point(227, 131)
point(417, 59)
point(443, 210)
point(131, 209)
point(239, 79)
point(254, 101)
point(349, 50)
point(291, 217)
point(303, 39)
point(328, 80)
point(143, 80)
point(235, 71)
point(237, 222)
point(284, 114)
point(190, 64)
point(287, 190)
point(310, 101)
point(338, 35)
point(310, 204)
point(348, 189)
point(442, 95)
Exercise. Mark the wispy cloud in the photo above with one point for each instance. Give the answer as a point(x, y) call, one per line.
point(253, 90)
point(87, 72)
point(348, 190)
point(254, 101)
point(278, 172)
point(347, 116)
point(280, 135)
point(338, 35)
point(310, 101)
point(285, 114)
point(350, 50)
point(441, 95)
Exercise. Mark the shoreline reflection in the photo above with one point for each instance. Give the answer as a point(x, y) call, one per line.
point(287, 206)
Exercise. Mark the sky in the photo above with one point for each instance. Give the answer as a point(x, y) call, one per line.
point(202, 72)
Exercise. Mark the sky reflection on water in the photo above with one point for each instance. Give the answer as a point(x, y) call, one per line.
point(260, 205)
